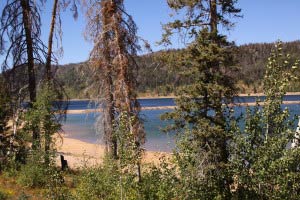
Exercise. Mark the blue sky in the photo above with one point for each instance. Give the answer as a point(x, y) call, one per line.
point(263, 21)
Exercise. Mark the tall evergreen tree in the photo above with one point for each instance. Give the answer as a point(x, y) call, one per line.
point(200, 117)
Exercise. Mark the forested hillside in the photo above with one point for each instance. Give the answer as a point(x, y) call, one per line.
point(156, 78)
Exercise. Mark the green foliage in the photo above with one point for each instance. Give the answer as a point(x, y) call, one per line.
point(263, 164)
point(42, 117)
point(109, 182)
point(4, 117)
point(34, 173)
point(12, 146)
point(37, 174)
point(55, 187)
point(161, 182)
point(106, 182)
point(200, 119)
point(160, 73)
point(23, 196)
point(198, 14)
point(3, 195)
point(39, 170)
point(129, 151)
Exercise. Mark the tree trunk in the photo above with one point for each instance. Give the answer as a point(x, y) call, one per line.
point(50, 42)
point(213, 17)
point(108, 83)
point(109, 113)
point(124, 87)
point(48, 75)
point(27, 27)
point(26, 12)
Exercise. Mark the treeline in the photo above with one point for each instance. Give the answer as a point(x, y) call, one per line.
point(159, 79)
point(253, 57)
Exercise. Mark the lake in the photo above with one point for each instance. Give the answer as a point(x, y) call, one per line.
point(82, 126)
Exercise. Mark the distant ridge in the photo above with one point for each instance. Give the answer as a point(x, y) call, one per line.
point(158, 79)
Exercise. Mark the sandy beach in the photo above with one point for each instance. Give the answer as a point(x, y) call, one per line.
point(79, 153)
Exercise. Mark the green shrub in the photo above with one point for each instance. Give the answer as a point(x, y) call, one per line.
point(160, 183)
point(56, 188)
point(33, 175)
point(98, 183)
point(3, 195)
point(107, 182)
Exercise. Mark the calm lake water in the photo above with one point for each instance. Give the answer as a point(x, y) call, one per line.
point(86, 104)
point(82, 126)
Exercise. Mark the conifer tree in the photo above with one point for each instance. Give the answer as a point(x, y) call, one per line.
point(200, 117)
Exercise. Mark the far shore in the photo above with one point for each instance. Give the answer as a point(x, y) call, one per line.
point(173, 96)
point(85, 111)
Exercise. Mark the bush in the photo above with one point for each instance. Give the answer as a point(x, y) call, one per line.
point(98, 183)
point(55, 186)
point(33, 175)
point(160, 183)
point(3, 194)
point(107, 182)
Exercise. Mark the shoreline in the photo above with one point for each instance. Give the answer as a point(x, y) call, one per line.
point(83, 111)
point(173, 96)
point(83, 154)
point(262, 94)
point(86, 111)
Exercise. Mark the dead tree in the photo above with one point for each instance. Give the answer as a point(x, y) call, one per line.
point(20, 29)
point(113, 32)
point(49, 83)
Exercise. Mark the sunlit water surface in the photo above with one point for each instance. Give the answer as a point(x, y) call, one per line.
point(82, 126)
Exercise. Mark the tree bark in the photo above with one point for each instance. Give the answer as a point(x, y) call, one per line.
point(108, 83)
point(50, 41)
point(213, 17)
point(124, 88)
point(29, 44)
point(26, 12)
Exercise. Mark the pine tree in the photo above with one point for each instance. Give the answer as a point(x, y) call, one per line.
point(200, 117)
